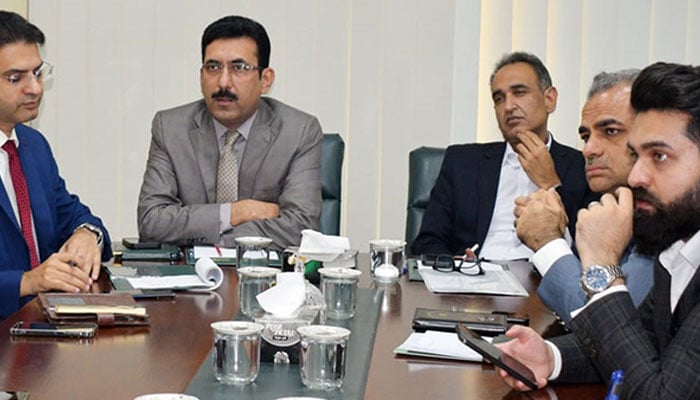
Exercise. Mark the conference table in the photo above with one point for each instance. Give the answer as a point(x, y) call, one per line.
point(122, 363)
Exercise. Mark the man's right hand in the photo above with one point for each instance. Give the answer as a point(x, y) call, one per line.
point(251, 210)
point(540, 218)
point(528, 347)
point(55, 273)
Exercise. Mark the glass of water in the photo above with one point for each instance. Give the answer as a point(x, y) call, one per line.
point(322, 355)
point(251, 282)
point(339, 287)
point(236, 351)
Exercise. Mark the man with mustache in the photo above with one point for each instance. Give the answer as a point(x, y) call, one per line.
point(541, 220)
point(234, 163)
point(49, 240)
point(656, 345)
point(472, 200)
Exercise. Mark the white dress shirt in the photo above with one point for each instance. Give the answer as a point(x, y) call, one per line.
point(501, 241)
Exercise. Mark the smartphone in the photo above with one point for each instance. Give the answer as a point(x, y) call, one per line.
point(491, 353)
point(43, 329)
point(137, 244)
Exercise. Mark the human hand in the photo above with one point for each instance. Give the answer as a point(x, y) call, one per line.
point(536, 160)
point(250, 210)
point(58, 272)
point(540, 218)
point(82, 245)
point(528, 347)
point(604, 229)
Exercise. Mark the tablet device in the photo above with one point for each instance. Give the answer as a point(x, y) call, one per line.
point(491, 353)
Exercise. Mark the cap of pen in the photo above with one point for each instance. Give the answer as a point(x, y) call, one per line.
point(615, 388)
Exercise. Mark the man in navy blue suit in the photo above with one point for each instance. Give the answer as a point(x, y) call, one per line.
point(605, 122)
point(49, 240)
point(473, 197)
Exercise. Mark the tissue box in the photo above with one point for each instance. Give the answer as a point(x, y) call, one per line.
point(280, 340)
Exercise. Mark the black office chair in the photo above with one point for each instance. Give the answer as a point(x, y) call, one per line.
point(423, 169)
point(331, 180)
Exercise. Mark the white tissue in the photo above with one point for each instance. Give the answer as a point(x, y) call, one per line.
point(285, 298)
point(318, 246)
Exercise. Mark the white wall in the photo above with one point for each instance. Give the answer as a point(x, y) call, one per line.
point(389, 75)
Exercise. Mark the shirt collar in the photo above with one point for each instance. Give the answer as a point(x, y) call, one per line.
point(244, 129)
point(13, 136)
point(689, 250)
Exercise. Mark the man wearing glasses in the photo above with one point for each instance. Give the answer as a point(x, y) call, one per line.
point(49, 240)
point(234, 163)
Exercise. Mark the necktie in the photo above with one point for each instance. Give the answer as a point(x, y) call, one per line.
point(227, 174)
point(22, 194)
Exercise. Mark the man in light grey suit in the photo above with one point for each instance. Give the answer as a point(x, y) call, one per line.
point(605, 121)
point(190, 192)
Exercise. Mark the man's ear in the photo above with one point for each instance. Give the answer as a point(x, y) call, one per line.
point(268, 78)
point(550, 99)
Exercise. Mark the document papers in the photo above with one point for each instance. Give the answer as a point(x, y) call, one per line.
point(496, 280)
point(205, 275)
point(436, 344)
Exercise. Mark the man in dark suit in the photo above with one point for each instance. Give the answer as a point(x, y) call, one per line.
point(657, 346)
point(48, 239)
point(235, 163)
point(473, 198)
point(541, 220)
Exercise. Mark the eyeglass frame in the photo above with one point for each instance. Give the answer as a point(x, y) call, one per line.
point(42, 74)
point(235, 68)
point(457, 267)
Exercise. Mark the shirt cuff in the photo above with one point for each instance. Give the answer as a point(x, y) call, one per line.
point(598, 296)
point(557, 360)
point(224, 217)
point(545, 257)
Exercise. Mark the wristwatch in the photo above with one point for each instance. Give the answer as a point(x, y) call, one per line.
point(599, 277)
point(92, 228)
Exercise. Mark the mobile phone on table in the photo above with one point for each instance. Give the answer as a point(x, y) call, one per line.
point(491, 353)
point(138, 244)
point(85, 330)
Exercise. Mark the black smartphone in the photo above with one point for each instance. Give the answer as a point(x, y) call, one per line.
point(491, 353)
point(137, 244)
point(44, 329)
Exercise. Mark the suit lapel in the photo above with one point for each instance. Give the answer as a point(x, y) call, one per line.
point(262, 135)
point(489, 172)
point(7, 207)
point(662, 308)
point(206, 151)
point(559, 156)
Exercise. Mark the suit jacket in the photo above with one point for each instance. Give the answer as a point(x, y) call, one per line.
point(560, 288)
point(463, 199)
point(281, 164)
point(56, 214)
point(659, 352)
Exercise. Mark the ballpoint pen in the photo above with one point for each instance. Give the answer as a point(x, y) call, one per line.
point(218, 249)
point(615, 387)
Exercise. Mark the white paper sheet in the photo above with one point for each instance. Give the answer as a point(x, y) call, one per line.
point(438, 345)
point(496, 280)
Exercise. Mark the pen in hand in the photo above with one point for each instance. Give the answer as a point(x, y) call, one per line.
point(470, 252)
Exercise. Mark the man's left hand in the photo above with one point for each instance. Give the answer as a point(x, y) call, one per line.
point(540, 218)
point(536, 160)
point(83, 245)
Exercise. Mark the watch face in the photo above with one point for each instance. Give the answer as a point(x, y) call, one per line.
point(597, 279)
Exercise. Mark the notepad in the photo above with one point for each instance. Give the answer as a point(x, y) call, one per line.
point(496, 280)
point(204, 275)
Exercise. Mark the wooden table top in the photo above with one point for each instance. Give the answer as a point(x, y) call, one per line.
point(122, 363)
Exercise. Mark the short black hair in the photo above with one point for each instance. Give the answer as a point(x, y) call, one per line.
point(236, 26)
point(543, 78)
point(14, 28)
point(670, 87)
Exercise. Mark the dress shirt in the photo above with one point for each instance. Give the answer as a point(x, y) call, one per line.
point(239, 149)
point(681, 260)
point(7, 180)
point(501, 241)
point(547, 255)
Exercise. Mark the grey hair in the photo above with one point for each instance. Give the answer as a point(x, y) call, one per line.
point(543, 78)
point(606, 80)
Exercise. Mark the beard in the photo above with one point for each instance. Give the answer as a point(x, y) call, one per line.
point(658, 230)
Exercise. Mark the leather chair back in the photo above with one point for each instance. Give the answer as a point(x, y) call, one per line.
point(331, 180)
point(423, 169)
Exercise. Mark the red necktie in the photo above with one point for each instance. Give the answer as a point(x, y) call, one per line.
point(22, 194)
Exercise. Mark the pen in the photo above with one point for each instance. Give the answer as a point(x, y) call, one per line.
point(615, 385)
point(218, 249)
